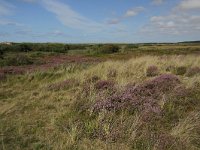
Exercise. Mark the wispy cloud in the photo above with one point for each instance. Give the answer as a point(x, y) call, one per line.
point(157, 2)
point(129, 13)
point(133, 12)
point(4, 34)
point(30, 33)
point(114, 21)
point(29, 1)
point(5, 8)
point(5, 22)
point(70, 18)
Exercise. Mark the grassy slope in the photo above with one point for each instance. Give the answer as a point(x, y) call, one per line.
point(32, 116)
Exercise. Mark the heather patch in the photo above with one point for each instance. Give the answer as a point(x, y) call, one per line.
point(104, 85)
point(69, 83)
point(167, 141)
point(2, 76)
point(143, 97)
point(13, 70)
point(181, 91)
point(193, 71)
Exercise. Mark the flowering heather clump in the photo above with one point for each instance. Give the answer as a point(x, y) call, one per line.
point(143, 97)
point(152, 71)
point(181, 91)
point(63, 85)
point(163, 82)
point(193, 71)
point(13, 70)
point(104, 85)
point(112, 73)
point(167, 141)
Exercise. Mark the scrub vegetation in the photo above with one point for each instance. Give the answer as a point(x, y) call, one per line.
point(124, 97)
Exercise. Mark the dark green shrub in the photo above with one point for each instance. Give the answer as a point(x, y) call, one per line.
point(103, 49)
point(132, 46)
point(152, 71)
point(24, 47)
point(18, 60)
point(180, 70)
point(1, 53)
point(109, 49)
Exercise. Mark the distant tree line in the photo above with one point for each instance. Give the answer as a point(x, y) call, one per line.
point(47, 47)
point(58, 47)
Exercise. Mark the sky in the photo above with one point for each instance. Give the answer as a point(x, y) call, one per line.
point(99, 21)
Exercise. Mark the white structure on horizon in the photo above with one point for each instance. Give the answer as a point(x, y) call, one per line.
point(7, 43)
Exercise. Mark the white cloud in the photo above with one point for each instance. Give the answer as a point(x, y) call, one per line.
point(129, 13)
point(133, 12)
point(174, 24)
point(189, 5)
point(157, 2)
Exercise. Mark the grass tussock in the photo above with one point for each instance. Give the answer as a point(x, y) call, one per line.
point(106, 105)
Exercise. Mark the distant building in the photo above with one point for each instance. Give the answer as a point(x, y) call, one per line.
point(7, 43)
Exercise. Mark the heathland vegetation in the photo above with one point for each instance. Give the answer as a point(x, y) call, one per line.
point(100, 96)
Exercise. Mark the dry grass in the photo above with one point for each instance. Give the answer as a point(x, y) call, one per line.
point(187, 130)
point(34, 117)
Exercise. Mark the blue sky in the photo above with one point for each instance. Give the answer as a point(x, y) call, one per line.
point(99, 21)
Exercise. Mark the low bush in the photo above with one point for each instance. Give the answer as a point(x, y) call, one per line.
point(18, 60)
point(104, 85)
point(152, 71)
point(104, 49)
point(109, 49)
point(180, 70)
point(170, 68)
point(1, 53)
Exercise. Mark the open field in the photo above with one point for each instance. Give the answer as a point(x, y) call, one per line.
point(131, 97)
